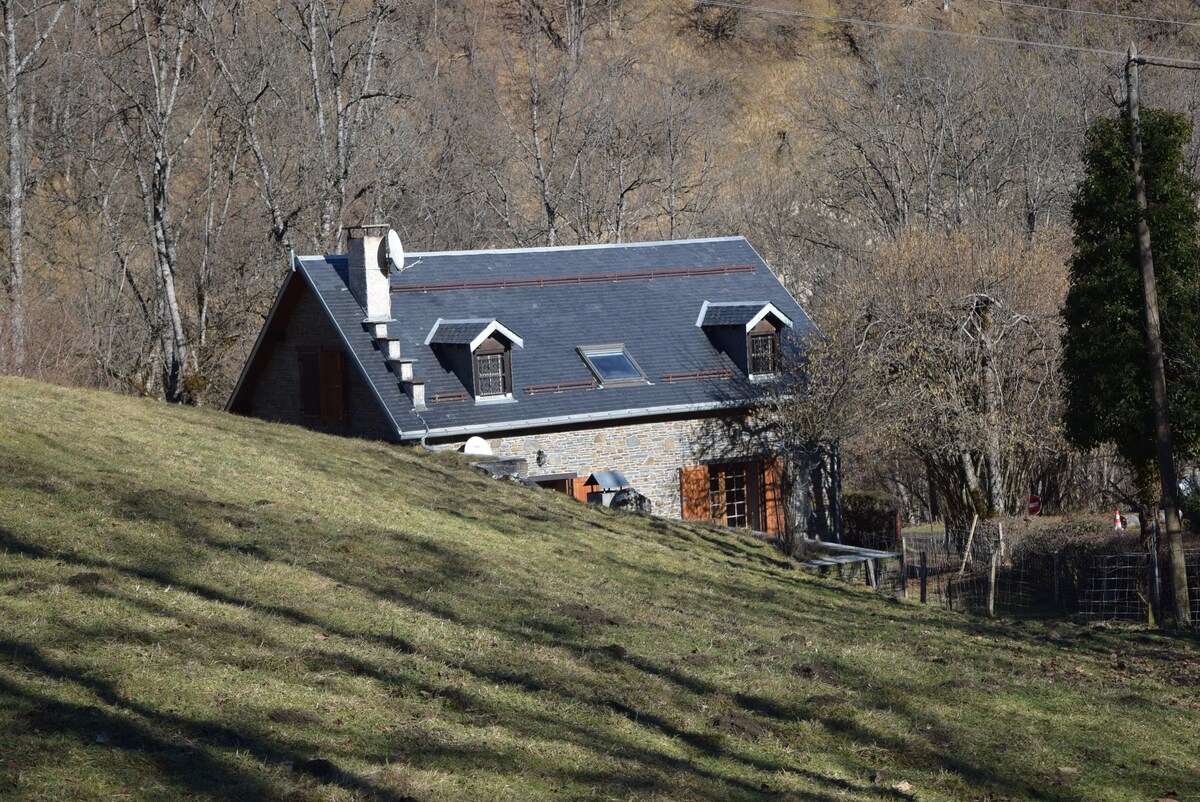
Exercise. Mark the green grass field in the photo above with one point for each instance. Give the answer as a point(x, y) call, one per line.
point(194, 605)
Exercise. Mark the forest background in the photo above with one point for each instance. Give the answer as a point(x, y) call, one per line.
point(912, 189)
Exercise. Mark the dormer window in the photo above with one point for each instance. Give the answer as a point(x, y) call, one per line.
point(479, 352)
point(764, 349)
point(493, 369)
point(748, 333)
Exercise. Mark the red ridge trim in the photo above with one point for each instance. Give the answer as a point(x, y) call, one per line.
point(589, 278)
point(561, 387)
point(696, 375)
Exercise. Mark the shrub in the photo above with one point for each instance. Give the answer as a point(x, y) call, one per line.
point(866, 514)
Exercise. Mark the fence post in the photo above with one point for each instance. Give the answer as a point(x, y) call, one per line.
point(1156, 586)
point(924, 576)
point(967, 551)
point(992, 584)
point(904, 567)
point(871, 575)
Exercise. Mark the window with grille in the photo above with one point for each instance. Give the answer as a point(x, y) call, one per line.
point(764, 353)
point(727, 496)
point(490, 375)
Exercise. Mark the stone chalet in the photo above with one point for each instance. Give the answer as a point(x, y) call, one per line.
point(634, 363)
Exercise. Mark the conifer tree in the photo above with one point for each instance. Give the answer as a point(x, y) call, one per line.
point(1106, 378)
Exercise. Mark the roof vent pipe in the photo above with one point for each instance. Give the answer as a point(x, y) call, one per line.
point(369, 268)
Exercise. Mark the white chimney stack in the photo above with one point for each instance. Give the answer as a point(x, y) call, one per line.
point(369, 270)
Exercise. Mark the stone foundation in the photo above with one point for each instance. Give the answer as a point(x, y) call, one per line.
point(648, 454)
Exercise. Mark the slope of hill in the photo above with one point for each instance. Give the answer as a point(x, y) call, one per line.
point(200, 606)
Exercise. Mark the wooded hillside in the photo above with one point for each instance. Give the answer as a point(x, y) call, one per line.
point(164, 158)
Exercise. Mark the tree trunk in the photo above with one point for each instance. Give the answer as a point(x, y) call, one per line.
point(16, 202)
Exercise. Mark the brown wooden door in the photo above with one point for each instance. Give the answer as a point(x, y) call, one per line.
point(693, 493)
point(773, 494)
point(333, 390)
point(579, 488)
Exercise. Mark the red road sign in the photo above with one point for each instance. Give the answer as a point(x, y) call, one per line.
point(1035, 504)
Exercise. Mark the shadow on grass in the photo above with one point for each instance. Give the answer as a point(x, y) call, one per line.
point(440, 564)
point(181, 762)
point(526, 725)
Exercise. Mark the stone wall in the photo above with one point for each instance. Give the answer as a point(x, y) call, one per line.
point(276, 393)
point(649, 454)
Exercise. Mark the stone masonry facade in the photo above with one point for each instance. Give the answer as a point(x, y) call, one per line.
point(648, 454)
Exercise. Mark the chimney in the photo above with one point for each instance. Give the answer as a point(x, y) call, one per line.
point(369, 269)
point(417, 390)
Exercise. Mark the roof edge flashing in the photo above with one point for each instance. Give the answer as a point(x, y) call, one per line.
point(489, 326)
point(595, 417)
point(769, 309)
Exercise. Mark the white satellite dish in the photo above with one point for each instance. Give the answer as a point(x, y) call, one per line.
point(477, 447)
point(395, 250)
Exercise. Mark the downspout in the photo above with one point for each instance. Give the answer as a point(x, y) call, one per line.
point(425, 435)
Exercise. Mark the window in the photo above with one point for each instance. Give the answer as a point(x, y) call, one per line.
point(764, 353)
point(747, 494)
point(493, 375)
point(612, 365)
point(322, 388)
point(727, 495)
point(763, 349)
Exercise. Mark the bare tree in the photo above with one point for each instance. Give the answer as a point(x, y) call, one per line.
point(27, 27)
point(159, 99)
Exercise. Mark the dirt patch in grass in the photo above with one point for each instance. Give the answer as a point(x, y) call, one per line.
point(743, 725)
point(586, 614)
point(31, 586)
point(698, 659)
point(294, 715)
point(87, 579)
point(41, 720)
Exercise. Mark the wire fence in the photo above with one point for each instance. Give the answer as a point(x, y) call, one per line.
point(981, 572)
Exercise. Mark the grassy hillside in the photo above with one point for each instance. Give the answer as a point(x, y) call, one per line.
point(194, 605)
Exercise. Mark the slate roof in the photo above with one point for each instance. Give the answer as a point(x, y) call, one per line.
point(469, 332)
point(731, 314)
point(646, 296)
point(457, 332)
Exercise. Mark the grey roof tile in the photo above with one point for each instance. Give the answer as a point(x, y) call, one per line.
point(644, 296)
point(457, 332)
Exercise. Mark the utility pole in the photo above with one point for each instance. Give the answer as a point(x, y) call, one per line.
point(1154, 355)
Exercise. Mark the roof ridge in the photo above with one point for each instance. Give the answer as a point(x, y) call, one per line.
point(549, 248)
point(585, 247)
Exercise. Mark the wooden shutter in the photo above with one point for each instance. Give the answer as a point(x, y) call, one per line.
point(310, 385)
point(333, 390)
point(693, 493)
point(773, 497)
point(579, 488)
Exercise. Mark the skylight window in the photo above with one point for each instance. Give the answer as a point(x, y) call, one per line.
point(612, 364)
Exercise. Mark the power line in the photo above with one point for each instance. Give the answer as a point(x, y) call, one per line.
point(1003, 40)
point(1081, 12)
point(1152, 63)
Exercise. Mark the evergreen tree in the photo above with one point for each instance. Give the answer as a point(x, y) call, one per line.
point(1106, 378)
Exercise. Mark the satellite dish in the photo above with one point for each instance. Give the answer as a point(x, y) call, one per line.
point(395, 251)
point(477, 447)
